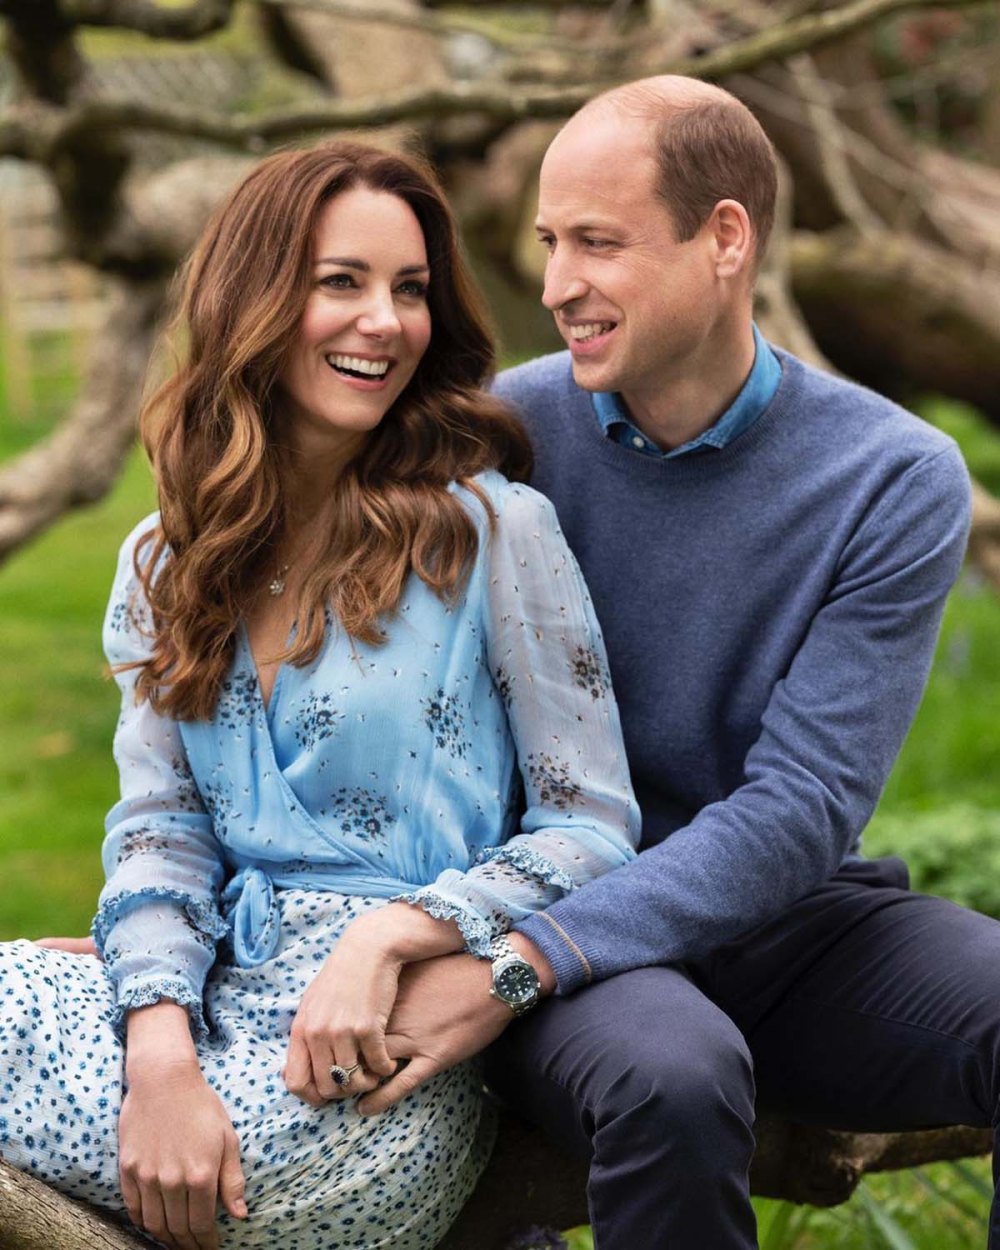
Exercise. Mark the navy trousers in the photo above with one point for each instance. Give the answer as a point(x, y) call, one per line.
point(863, 1007)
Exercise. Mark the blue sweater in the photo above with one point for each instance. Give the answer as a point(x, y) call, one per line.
point(770, 613)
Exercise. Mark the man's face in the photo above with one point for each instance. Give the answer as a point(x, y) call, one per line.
point(634, 305)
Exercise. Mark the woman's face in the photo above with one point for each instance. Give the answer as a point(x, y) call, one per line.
point(366, 323)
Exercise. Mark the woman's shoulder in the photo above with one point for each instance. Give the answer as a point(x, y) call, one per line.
point(125, 578)
point(147, 525)
point(515, 505)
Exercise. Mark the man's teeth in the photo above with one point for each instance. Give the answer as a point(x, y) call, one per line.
point(581, 333)
point(372, 368)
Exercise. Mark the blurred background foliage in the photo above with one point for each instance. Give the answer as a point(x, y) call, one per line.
point(892, 140)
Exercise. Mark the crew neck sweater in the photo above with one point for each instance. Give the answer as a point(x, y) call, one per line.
point(770, 613)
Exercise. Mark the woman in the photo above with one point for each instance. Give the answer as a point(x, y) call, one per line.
point(335, 643)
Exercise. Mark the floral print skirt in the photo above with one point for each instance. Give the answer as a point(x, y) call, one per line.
point(316, 1178)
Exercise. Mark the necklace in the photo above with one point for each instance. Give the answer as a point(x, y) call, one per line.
point(277, 586)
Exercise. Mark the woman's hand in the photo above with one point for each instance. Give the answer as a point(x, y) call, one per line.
point(177, 1149)
point(343, 1015)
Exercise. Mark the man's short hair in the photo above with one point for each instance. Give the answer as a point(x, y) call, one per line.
point(708, 147)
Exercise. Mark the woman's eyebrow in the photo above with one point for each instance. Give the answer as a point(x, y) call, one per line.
point(350, 262)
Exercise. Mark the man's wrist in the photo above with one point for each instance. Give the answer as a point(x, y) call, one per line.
point(532, 955)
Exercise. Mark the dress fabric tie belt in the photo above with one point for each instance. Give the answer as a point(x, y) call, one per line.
point(251, 908)
point(250, 902)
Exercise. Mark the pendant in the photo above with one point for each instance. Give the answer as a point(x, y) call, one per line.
point(277, 586)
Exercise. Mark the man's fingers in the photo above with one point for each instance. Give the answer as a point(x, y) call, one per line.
point(73, 946)
point(231, 1181)
point(404, 1082)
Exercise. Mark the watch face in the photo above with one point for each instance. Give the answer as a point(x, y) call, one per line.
point(517, 984)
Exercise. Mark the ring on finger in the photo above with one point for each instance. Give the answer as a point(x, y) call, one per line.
point(342, 1076)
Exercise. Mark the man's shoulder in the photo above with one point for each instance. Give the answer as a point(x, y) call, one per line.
point(860, 418)
point(547, 378)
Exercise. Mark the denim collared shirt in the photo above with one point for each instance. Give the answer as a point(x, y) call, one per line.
point(757, 393)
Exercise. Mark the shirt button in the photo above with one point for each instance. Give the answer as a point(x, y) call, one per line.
point(637, 441)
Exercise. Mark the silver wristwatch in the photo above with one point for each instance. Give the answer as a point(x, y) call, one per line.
point(515, 982)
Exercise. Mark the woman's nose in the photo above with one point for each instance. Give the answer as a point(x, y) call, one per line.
point(379, 316)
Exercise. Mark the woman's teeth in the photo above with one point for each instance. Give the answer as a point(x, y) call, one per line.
point(355, 364)
point(580, 334)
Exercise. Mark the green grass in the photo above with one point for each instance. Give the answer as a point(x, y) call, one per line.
point(57, 713)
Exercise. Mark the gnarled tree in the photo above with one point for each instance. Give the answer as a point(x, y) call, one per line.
point(885, 264)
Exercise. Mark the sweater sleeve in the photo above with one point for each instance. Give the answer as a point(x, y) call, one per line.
point(547, 660)
point(829, 736)
point(157, 921)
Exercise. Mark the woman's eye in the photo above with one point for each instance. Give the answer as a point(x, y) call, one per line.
point(413, 288)
point(338, 281)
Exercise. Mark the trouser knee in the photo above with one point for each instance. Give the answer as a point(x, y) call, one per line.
point(685, 1099)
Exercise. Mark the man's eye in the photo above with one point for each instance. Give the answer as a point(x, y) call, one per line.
point(596, 245)
point(547, 241)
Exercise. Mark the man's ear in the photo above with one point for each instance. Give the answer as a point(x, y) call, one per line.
point(732, 238)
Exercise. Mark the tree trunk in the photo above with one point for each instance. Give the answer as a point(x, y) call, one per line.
point(529, 1182)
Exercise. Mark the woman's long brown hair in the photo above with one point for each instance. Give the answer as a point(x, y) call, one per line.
point(211, 433)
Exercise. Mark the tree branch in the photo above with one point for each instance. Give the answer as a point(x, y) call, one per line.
point(253, 133)
point(190, 22)
point(869, 298)
point(830, 140)
point(81, 460)
point(422, 20)
point(801, 34)
point(35, 1217)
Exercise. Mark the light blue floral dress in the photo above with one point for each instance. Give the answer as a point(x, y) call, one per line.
point(473, 765)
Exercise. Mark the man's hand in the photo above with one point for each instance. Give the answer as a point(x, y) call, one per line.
point(73, 946)
point(444, 1014)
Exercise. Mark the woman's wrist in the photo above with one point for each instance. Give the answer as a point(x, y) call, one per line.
point(405, 932)
point(159, 1037)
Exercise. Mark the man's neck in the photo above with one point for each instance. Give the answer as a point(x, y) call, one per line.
point(696, 394)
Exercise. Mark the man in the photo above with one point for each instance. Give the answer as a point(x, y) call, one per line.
point(769, 550)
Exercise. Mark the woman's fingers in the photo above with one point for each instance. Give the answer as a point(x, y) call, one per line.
point(152, 1216)
point(358, 1079)
point(201, 1217)
point(231, 1181)
point(373, 1050)
point(132, 1198)
point(175, 1212)
point(298, 1070)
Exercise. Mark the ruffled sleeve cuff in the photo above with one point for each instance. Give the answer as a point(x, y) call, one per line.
point(147, 991)
point(477, 932)
point(115, 907)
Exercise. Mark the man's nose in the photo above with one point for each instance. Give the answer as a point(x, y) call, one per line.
point(563, 283)
point(379, 315)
